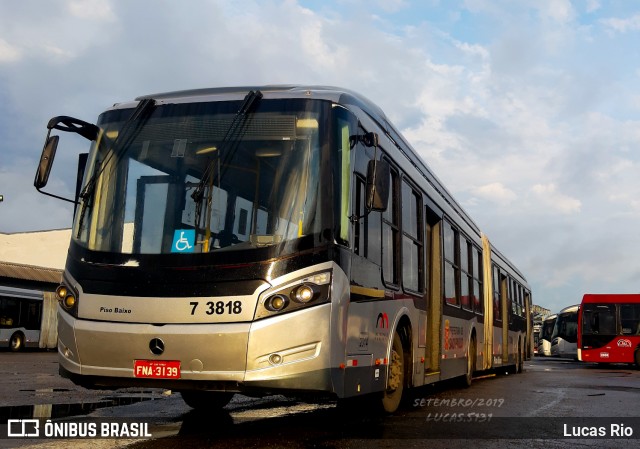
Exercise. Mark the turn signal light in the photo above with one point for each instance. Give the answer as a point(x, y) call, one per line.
point(66, 297)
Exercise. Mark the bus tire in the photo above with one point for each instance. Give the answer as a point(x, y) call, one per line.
point(16, 343)
point(520, 359)
point(392, 396)
point(206, 400)
point(637, 358)
point(467, 379)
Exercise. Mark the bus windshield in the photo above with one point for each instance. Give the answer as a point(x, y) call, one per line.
point(547, 329)
point(599, 319)
point(192, 178)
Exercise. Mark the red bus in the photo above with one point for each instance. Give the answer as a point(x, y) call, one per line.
point(609, 329)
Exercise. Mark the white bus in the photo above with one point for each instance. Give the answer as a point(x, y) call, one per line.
point(546, 332)
point(27, 319)
point(564, 341)
point(274, 239)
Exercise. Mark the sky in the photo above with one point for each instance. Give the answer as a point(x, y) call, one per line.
point(528, 111)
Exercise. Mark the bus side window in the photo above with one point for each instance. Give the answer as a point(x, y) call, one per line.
point(465, 275)
point(630, 319)
point(412, 252)
point(390, 234)
point(497, 310)
point(361, 222)
point(476, 272)
point(451, 292)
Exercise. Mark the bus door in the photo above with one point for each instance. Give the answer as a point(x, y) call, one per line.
point(530, 341)
point(433, 294)
point(489, 306)
point(507, 316)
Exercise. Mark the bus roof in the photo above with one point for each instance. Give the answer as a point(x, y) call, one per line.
point(570, 309)
point(591, 298)
point(22, 293)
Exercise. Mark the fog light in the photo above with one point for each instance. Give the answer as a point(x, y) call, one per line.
point(61, 291)
point(69, 301)
point(276, 303)
point(275, 359)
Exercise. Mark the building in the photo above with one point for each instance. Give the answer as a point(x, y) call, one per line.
point(33, 260)
point(31, 264)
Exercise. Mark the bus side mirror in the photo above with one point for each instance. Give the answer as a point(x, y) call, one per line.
point(378, 174)
point(67, 124)
point(46, 161)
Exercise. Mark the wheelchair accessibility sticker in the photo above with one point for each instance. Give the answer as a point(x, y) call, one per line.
point(183, 241)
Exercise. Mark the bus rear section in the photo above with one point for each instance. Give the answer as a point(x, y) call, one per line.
point(27, 319)
point(609, 329)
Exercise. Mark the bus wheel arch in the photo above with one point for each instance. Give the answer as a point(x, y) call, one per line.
point(636, 357)
point(399, 368)
point(16, 342)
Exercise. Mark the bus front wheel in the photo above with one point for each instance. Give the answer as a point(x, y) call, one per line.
point(395, 380)
point(16, 343)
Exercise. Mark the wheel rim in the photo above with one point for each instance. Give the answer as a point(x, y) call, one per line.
point(16, 342)
point(471, 361)
point(395, 378)
point(395, 372)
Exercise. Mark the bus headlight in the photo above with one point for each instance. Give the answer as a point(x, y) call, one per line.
point(276, 303)
point(306, 292)
point(68, 299)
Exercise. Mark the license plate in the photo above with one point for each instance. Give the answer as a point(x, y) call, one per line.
point(157, 369)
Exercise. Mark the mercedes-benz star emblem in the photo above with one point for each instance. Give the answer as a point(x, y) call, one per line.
point(156, 346)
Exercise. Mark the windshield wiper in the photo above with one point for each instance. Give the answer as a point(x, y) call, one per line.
point(230, 139)
point(125, 137)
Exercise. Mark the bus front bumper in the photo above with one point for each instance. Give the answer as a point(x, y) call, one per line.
point(279, 353)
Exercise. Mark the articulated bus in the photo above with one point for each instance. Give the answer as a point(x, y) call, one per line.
point(27, 319)
point(546, 333)
point(564, 341)
point(274, 239)
point(609, 329)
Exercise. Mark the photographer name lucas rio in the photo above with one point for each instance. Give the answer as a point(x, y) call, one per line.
point(611, 431)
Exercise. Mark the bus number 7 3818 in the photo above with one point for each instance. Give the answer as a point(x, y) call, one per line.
point(274, 239)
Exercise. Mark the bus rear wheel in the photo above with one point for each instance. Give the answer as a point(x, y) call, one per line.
point(392, 396)
point(206, 400)
point(467, 379)
point(16, 343)
point(520, 359)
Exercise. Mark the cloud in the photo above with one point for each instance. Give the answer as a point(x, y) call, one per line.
point(91, 9)
point(8, 52)
point(623, 25)
point(496, 192)
point(556, 201)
